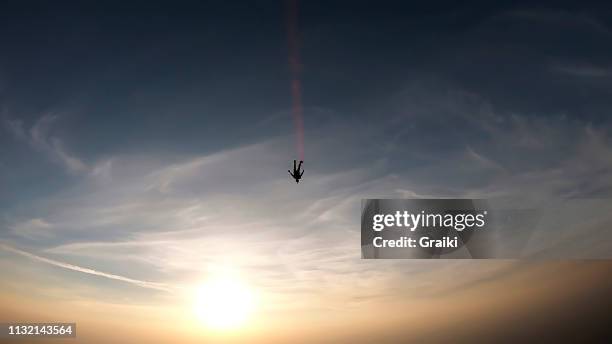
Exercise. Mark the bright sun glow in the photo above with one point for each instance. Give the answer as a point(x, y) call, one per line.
point(224, 302)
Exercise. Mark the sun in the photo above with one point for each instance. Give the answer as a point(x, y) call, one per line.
point(224, 302)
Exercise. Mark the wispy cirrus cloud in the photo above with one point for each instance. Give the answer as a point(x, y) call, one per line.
point(144, 284)
point(563, 18)
point(32, 228)
point(175, 219)
point(40, 138)
point(583, 70)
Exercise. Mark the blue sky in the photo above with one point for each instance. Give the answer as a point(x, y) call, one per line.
point(141, 146)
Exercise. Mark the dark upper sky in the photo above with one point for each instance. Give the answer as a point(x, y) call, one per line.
point(195, 78)
point(180, 62)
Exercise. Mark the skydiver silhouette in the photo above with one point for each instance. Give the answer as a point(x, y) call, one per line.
point(296, 172)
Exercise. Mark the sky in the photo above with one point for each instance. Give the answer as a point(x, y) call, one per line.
point(143, 150)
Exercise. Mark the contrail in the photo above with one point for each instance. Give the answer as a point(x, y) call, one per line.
point(144, 284)
point(296, 67)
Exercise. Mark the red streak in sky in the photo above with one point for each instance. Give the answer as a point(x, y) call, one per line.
point(296, 67)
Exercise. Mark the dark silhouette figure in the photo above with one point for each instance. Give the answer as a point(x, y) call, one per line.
point(296, 172)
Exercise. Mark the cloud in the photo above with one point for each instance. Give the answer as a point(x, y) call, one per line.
point(40, 138)
point(583, 70)
point(32, 228)
point(144, 284)
point(175, 218)
point(563, 18)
